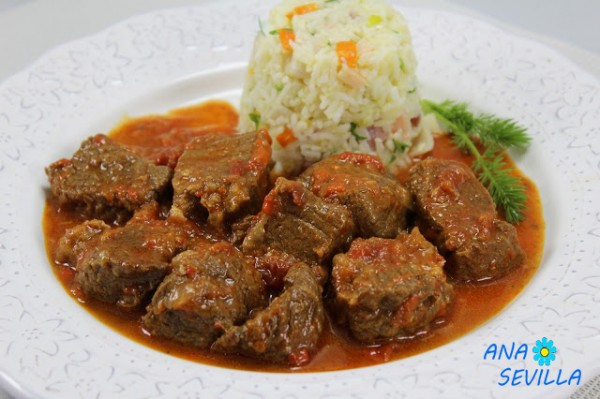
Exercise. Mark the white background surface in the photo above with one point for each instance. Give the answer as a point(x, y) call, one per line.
point(28, 28)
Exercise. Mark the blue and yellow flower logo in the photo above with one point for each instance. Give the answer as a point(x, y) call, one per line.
point(544, 350)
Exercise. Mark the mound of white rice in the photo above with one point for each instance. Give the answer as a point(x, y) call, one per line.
point(328, 76)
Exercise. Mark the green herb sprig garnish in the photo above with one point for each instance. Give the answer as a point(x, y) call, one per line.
point(497, 135)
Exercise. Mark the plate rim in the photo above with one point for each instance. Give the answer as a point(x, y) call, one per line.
point(49, 54)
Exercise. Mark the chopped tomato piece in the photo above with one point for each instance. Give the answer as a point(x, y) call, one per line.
point(66, 273)
point(268, 205)
point(261, 152)
point(361, 159)
point(299, 358)
point(347, 53)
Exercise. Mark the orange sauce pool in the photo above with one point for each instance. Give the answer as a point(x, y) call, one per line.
point(162, 137)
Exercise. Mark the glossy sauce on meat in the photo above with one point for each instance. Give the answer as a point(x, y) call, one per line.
point(161, 139)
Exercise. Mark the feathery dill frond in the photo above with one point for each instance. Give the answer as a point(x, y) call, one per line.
point(496, 134)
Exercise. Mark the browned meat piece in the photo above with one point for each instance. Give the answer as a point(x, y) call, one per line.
point(288, 329)
point(223, 177)
point(240, 228)
point(376, 200)
point(296, 221)
point(457, 213)
point(206, 293)
point(123, 265)
point(390, 288)
point(75, 241)
point(274, 266)
point(106, 180)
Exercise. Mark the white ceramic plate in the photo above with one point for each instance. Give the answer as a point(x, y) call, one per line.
point(51, 347)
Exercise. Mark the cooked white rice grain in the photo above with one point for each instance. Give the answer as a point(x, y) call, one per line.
point(315, 103)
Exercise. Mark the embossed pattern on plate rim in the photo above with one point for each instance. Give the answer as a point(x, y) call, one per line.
point(51, 348)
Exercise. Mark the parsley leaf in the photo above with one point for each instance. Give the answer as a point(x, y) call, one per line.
point(399, 146)
point(254, 117)
point(353, 132)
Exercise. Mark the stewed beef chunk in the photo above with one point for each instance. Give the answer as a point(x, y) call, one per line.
point(206, 293)
point(457, 213)
point(390, 288)
point(122, 265)
point(74, 242)
point(107, 180)
point(377, 201)
point(296, 221)
point(274, 266)
point(288, 330)
point(240, 228)
point(223, 177)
